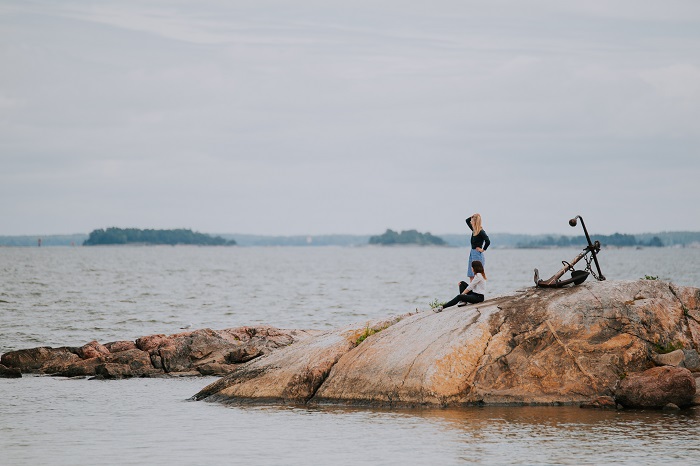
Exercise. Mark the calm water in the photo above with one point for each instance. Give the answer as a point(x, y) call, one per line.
point(68, 296)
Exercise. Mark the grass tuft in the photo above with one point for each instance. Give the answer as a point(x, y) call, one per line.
point(435, 303)
point(667, 347)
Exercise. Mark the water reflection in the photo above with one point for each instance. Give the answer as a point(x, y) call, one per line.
point(48, 420)
point(547, 435)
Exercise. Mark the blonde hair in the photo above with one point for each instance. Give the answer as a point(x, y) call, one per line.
point(476, 224)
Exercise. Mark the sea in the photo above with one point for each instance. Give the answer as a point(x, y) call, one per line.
point(68, 296)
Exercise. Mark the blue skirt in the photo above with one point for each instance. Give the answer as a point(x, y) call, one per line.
point(475, 255)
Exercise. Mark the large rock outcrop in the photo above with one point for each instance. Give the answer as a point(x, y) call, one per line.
point(205, 351)
point(539, 346)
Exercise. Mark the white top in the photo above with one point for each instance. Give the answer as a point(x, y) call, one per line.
point(478, 285)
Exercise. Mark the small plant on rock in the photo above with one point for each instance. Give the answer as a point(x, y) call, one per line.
point(435, 303)
point(650, 277)
point(368, 332)
point(667, 347)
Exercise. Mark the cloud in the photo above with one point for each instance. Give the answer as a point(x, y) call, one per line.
point(271, 117)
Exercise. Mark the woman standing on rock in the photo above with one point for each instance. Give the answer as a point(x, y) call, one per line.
point(479, 241)
point(469, 294)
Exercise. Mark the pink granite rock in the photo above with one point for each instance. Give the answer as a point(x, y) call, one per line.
point(657, 387)
point(118, 346)
point(180, 353)
point(92, 350)
point(42, 359)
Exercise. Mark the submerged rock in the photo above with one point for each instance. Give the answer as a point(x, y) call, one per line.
point(216, 351)
point(540, 346)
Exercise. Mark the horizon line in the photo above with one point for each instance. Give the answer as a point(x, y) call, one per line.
point(353, 234)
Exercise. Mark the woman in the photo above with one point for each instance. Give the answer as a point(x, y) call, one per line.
point(480, 242)
point(469, 294)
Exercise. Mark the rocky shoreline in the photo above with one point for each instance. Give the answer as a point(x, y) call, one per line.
point(199, 352)
point(609, 344)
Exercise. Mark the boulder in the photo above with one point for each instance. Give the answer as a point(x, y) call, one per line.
point(153, 342)
point(81, 368)
point(42, 360)
point(243, 354)
point(9, 372)
point(656, 388)
point(92, 350)
point(139, 362)
point(113, 371)
point(538, 346)
point(216, 369)
point(691, 360)
point(118, 346)
point(674, 358)
point(186, 351)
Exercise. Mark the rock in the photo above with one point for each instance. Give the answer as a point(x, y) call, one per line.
point(542, 346)
point(152, 342)
point(689, 300)
point(674, 358)
point(42, 359)
point(602, 402)
point(186, 351)
point(216, 369)
point(657, 387)
point(691, 360)
point(118, 346)
point(139, 362)
point(671, 407)
point(181, 353)
point(113, 371)
point(92, 350)
point(81, 368)
point(243, 354)
point(291, 374)
point(9, 372)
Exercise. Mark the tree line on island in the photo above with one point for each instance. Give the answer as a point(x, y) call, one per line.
point(169, 237)
point(616, 239)
point(390, 237)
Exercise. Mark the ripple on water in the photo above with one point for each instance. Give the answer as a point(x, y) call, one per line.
point(121, 294)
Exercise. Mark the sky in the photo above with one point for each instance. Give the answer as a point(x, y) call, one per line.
point(323, 117)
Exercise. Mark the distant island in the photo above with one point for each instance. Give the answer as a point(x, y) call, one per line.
point(678, 239)
point(170, 237)
point(616, 239)
point(390, 237)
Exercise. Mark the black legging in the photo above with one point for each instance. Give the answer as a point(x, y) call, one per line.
point(470, 297)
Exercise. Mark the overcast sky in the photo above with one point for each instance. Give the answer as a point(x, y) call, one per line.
point(318, 116)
